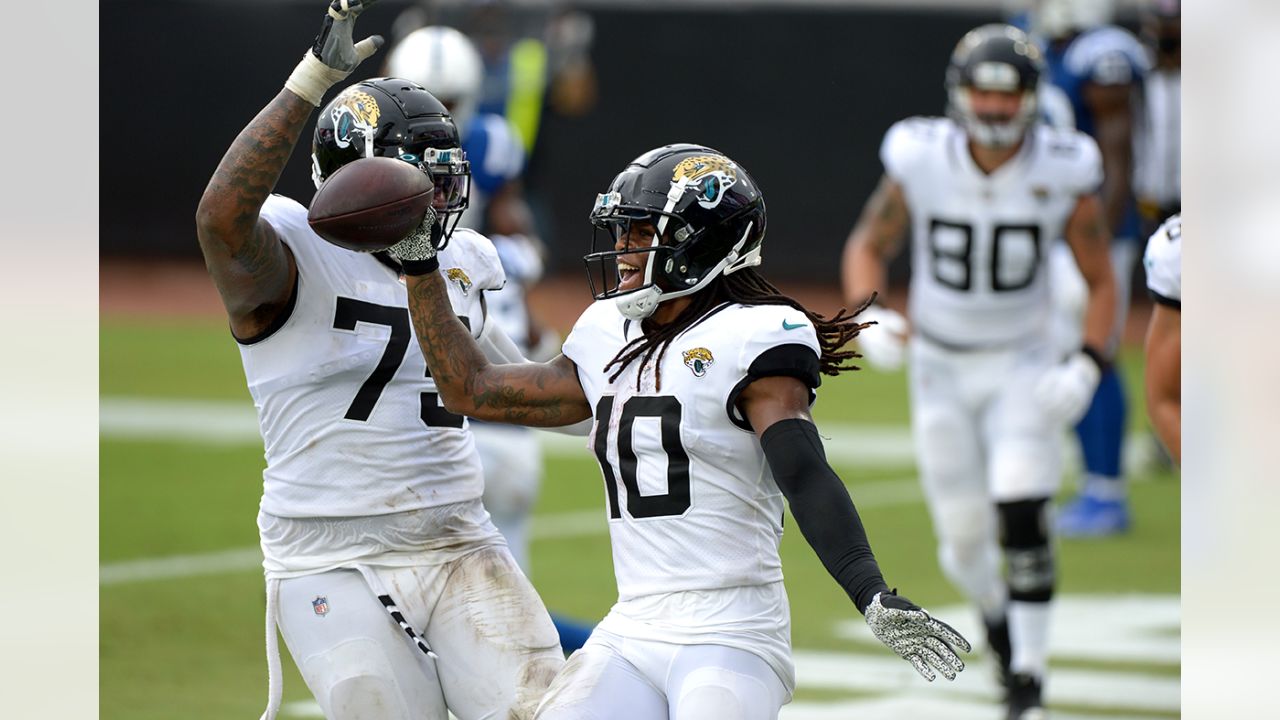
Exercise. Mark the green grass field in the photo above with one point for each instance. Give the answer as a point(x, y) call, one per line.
point(192, 646)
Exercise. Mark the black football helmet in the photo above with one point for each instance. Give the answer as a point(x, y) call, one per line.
point(994, 57)
point(708, 215)
point(390, 117)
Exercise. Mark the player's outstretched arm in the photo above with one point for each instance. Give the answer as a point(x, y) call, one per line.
point(535, 394)
point(1164, 377)
point(778, 408)
point(252, 269)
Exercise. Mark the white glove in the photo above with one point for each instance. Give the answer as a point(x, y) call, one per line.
point(335, 54)
point(1066, 390)
point(883, 344)
point(921, 640)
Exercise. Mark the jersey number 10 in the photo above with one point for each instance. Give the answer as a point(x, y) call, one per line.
point(667, 409)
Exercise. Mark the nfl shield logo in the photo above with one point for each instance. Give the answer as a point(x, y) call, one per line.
point(320, 605)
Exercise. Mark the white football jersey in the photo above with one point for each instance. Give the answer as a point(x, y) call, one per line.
point(692, 502)
point(980, 242)
point(349, 415)
point(1163, 263)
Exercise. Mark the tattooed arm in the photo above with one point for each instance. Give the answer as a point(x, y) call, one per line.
point(873, 242)
point(252, 269)
point(1090, 243)
point(535, 394)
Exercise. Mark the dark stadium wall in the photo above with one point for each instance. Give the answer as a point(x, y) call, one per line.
point(800, 96)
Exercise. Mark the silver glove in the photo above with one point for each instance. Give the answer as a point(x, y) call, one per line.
point(909, 631)
point(334, 54)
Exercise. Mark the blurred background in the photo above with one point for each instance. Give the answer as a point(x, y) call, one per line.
point(800, 92)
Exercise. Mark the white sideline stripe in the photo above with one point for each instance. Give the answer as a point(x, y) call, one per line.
point(225, 422)
point(555, 526)
point(177, 566)
point(221, 422)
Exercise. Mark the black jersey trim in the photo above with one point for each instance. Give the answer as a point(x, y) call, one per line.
point(1166, 301)
point(279, 320)
point(791, 360)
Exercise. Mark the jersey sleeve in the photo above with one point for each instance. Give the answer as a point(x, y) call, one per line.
point(285, 215)
point(1163, 263)
point(903, 147)
point(494, 151)
point(476, 257)
point(782, 342)
point(583, 345)
point(311, 253)
point(520, 259)
point(1083, 173)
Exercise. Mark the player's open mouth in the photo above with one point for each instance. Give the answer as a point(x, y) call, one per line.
point(629, 276)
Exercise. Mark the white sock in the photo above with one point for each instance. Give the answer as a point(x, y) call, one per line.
point(1106, 488)
point(1029, 637)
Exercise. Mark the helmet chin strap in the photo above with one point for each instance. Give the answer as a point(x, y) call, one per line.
point(641, 303)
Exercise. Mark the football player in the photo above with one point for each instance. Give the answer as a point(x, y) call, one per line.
point(395, 594)
point(448, 65)
point(1100, 67)
point(1163, 263)
point(698, 376)
point(984, 193)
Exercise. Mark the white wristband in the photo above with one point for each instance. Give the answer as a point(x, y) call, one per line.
point(311, 79)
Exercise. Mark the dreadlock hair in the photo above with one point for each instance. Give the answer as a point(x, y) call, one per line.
point(744, 287)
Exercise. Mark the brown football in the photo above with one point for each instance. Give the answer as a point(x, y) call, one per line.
point(371, 203)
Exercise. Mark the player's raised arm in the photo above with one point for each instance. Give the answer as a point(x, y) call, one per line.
point(252, 269)
point(778, 408)
point(535, 394)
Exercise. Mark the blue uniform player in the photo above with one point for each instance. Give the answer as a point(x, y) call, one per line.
point(1100, 68)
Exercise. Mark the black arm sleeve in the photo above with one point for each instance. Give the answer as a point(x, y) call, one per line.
point(822, 508)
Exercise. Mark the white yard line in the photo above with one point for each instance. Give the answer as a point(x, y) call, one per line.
point(226, 422)
point(221, 422)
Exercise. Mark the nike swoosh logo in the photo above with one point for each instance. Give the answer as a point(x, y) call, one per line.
point(788, 326)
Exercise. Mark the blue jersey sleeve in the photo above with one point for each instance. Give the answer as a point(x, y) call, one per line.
point(494, 151)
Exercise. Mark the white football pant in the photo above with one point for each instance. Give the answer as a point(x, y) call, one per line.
point(616, 677)
point(980, 440)
point(497, 649)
